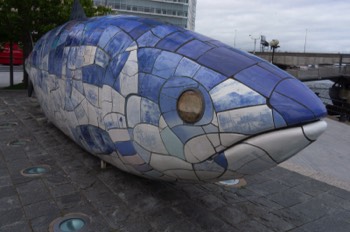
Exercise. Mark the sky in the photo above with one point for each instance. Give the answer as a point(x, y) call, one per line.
point(324, 23)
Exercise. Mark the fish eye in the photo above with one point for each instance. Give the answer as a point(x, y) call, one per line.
point(190, 106)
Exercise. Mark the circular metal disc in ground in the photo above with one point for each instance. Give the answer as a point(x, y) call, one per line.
point(73, 222)
point(233, 183)
point(35, 170)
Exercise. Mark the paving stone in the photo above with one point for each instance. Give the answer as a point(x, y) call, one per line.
point(7, 191)
point(32, 192)
point(252, 225)
point(312, 209)
point(41, 224)
point(11, 216)
point(340, 193)
point(313, 187)
point(10, 202)
point(18, 226)
point(5, 181)
point(289, 197)
point(136, 224)
point(62, 189)
point(328, 223)
point(268, 187)
point(232, 214)
point(39, 209)
point(162, 219)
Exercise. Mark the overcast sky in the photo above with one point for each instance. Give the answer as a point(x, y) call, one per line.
point(327, 23)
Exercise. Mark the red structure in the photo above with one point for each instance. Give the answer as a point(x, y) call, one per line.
point(5, 54)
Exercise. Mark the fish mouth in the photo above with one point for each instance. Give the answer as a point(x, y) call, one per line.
point(266, 150)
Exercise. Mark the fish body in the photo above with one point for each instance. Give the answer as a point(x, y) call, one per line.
point(166, 103)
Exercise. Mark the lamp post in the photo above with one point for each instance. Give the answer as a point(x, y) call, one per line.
point(274, 44)
point(255, 39)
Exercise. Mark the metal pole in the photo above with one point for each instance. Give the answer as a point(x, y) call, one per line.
point(305, 40)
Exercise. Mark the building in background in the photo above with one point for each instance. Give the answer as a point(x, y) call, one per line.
point(178, 12)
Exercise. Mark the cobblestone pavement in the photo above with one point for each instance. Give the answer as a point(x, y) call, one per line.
point(275, 200)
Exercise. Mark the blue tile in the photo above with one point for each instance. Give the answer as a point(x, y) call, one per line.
point(149, 112)
point(174, 41)
point(125, 148)
point(114, 68)
point(194, 49)
point(150, 22)
point(187, 132)
point(258, 79)
point(209, 78)
point(275, 70)
point(75, 35)
point(55, 61)
point(278, 120)
point(221, 160)
point(163, 30)
point(172, 119)
point(198, 36)
point(208, 108)
point(147, 40)
point(299, 92)
point(118, 44)
point(107, 35)
point(92, 37)
point(232, 94)
point(149, 86)
point(139, 30)
point(128, 25)
point(97, 140)
point(172, 143)
point(292, 112)
point(93, 74)
point(175, 86)
point(146, 59)
point(101, 58)
point(167, 103)
point(187, 68)
point(166, 64)
point(225, 61)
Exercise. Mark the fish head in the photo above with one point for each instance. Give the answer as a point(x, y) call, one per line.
point(225, 112)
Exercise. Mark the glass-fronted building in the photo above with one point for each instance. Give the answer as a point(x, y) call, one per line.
point(178, 12)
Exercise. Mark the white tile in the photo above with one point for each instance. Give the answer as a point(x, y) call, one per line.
point(165, 162)
point(133, 110)
point(162, 123)
point(228, 139)
point(198, 149)
point(148, 137)
point(214, 139)
point(91, 93)
point(208, 175)
point(118, 102)
point(132, 160)
point(118, 135)
point(281, 144)
point(114, 121)
point(182, 174)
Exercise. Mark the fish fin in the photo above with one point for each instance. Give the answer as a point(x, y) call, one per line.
point(77, 11)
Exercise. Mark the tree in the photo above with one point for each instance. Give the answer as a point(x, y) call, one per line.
point(28, 20)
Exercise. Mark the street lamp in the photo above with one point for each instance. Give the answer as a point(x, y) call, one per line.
point(274, 44)
point(255, 39)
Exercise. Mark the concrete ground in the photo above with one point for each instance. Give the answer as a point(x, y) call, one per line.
point(279, 199)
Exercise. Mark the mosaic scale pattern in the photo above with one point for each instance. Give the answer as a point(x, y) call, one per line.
point(113, 85)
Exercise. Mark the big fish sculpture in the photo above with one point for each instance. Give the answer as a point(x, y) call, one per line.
point(166, 103)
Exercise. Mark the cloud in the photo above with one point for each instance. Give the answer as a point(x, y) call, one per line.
point(327, 23)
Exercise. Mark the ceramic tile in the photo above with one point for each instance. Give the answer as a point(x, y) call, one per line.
point(133, 111)
point(231, 94)
point(164, 162)
point(198, 149)
point(172, 143)
point(250, 120)
point(148, 137)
